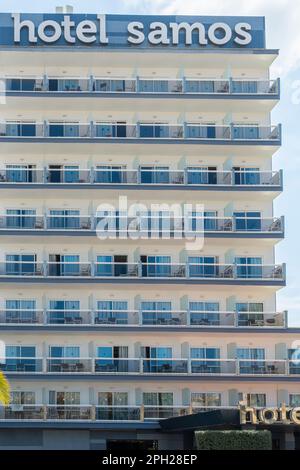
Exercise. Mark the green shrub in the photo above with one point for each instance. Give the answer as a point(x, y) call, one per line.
point(233, 440)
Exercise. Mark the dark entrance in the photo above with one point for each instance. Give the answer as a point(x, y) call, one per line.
point(131, 445)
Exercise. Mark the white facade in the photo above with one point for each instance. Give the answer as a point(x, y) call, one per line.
point(160, 324)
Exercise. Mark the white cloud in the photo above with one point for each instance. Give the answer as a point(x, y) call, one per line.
point(282, 20)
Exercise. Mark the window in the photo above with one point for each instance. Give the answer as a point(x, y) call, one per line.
point(206, 220)
point(64, 311)
point(110, 174)
point(156, 313)
point(201, 131)
point(64, 265)
point(154, 130)
point(112, 398)
point(113, 406)
point(155, 174)
point(22, 398)
point(113, 359)
point(243, 175)
point(156, 266)
point(19, 264)
point(208, 399)
point(112, 311)
point(158, 398)
point(20, 311)
point(246, 132)
point(64, 218)
point(21, 173)
point(20, 218)
point(253, 399)
point(202, 266)
point(251, 360)
point(294, 361)
point(63, 129)
point(64, 351)
point(111, 265)
point(249, 267)
point(64, 398)
point(204, 313)
point(202, 175)
point(202, 360)
point(294, 400)
point(21, 129)
point(20, 359)
point(156, 359)
point(247, 221)
point(249, 313)
point(244, 86)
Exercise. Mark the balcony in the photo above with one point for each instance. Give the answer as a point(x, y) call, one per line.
point(117, 366)
point(140, 132)
point(22, 365)
point(133, 367)
point(102, 177)
point(208, 272)
point(92, 413)
point(80, 86)
point(145, 319)
point(69, 365)
point(262, 367)
point(148, 226)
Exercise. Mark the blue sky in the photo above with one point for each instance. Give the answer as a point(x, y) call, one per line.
point(283, 32)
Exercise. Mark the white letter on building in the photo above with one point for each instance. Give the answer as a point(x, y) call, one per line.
point(188, 28)
point(83, 31)
point(135, 29)
point(159, 33)
point(241, 30)
point(212, 33)
point(68, 24)
point(102, 23)
point(49, 24)
point(18, 25)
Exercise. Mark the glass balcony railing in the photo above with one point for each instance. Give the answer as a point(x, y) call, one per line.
point(118, 413)
point(164, 366)
point(146, 131)
point(146, 226)
point(104, 176)
point(69, 413)
point(163, 317)
point(22, 365)
point(74, 412)
point(151, 366)
point(144, 318)
point(69, 365)
point(15, 412)
point(115, 365)
point(262, 367)
point(109, 270)
point(141, 85)
point(213, 366)
point(68, 317)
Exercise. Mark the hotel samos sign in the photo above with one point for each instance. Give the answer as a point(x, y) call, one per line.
point(123, 31)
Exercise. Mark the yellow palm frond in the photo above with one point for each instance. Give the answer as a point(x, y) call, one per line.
point(4, 390)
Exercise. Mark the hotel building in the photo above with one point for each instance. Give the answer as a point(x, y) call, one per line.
point(108, 339)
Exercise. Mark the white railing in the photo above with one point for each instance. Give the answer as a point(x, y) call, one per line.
point(110, 270)
point(141, 85)
point(146, 131)
point(150, 366)
point(110, 176)
point(144, 318)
